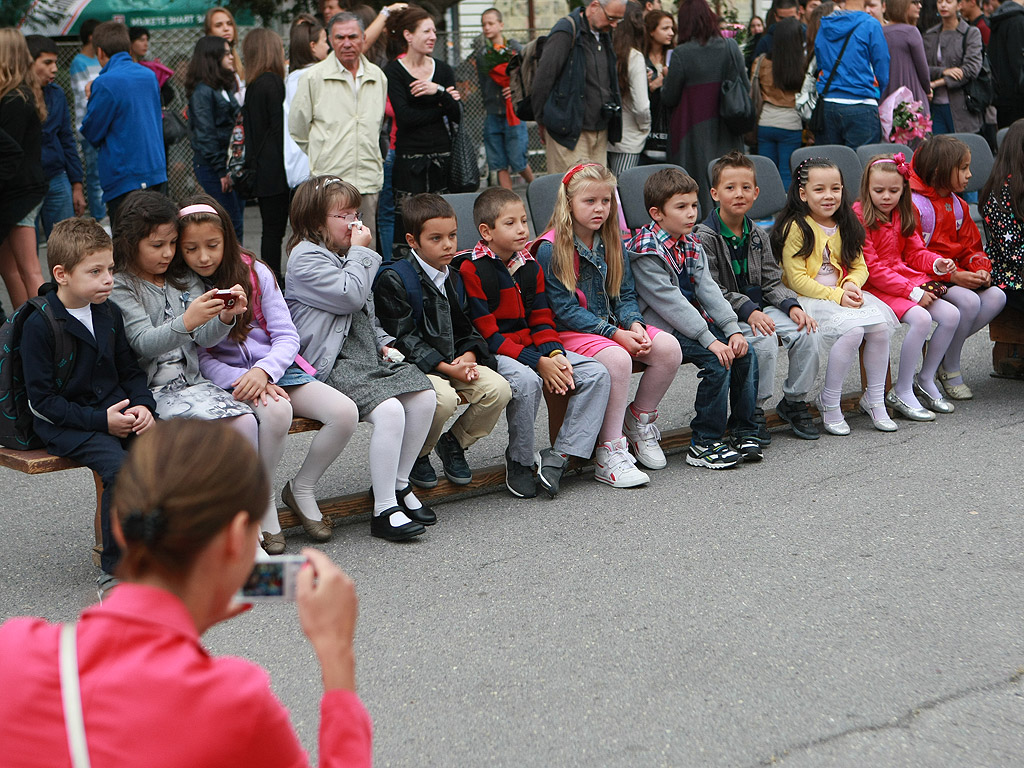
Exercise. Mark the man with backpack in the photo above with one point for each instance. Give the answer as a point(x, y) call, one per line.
point(575, 91)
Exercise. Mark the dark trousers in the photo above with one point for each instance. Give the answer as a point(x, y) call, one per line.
point(104, 454)
point(718, 388)
point(233, 204)
point(274, 212)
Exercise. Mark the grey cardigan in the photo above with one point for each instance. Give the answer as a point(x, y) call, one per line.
point(951, 44)
point(323, 289)
point(149, 333)
point(664, 306)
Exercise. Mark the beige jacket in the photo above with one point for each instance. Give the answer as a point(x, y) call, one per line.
point(338, 128)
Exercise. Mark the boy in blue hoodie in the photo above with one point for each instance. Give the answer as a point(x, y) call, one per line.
point(851, 100)
point(124, 120)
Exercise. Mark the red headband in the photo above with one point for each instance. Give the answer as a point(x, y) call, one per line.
point(576, 169)
point(900, 161)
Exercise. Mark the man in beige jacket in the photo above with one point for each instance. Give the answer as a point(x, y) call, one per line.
point(337, 114)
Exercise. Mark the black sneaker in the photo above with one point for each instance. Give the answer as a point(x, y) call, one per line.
point(454, 460)
point(422, 474)
point(748, 447)
point(519, 478)
point(764, 437)
point(717, 455)
point(799, 418)
point(549, 473)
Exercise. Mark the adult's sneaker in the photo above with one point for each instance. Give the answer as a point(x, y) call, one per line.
point(519, 478)
point(456, 468)
point(716, 455)
point(422, 474)
point(549, 471)
point(799, 418)
point(614, 465)
point(748, 447)
point(644, 438)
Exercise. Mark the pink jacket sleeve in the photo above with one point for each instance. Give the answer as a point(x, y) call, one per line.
point(917, 256)
point(346, 732)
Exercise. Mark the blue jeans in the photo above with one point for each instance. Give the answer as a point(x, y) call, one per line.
point(505, 144)
point(57, 204)
point(386, 210)
point(777, 144)
point(942, 119)
point(93, 190)
point(233, 204)
point(718, 388)
point(851, 124)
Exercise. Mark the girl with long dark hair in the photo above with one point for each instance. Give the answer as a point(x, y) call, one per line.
point(779, 74)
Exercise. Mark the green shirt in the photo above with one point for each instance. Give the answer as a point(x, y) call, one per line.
point(737, 247)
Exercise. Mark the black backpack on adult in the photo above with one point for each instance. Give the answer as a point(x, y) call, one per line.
point(980, 91)
point(15, 416)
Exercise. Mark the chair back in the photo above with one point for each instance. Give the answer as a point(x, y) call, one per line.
point(981, 159)
point(1000, 135)
point(541, 195)
point(462, 202)
point(631, 193)
point(867, 151)
point(772, 197)
point(850, 167)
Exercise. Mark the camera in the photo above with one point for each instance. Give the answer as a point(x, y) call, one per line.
point(226, 296)
point(610, 109)
point(272, 580)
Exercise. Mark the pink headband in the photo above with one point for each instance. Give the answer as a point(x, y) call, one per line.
point(198, 208)
point(574, 170)
point(900, 161)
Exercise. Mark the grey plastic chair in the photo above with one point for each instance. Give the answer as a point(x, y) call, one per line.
point(1000, 135)
point(772, 197)
point(541, 195)
point(981, 168)
point(850, 166)
point(462, 202)
point(631, 193)
point(867, 151)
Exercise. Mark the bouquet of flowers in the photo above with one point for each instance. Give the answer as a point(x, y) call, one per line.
point(494, 62)
point(909, 122)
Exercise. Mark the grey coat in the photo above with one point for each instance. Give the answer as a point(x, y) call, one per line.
point(323, 289)
point(952, 45)
point(150, 335)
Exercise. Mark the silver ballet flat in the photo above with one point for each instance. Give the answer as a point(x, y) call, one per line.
point(956, 391)
point(840, 428)
point(937, 404)
point(884, 424)
point(895, 402)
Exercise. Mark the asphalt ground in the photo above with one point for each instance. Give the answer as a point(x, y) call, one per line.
point(852, 601)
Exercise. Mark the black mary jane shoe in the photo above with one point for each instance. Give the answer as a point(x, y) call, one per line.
point(380, 526)
point(424, 515)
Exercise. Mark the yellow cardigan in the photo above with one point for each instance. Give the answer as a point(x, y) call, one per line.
point(798, 274)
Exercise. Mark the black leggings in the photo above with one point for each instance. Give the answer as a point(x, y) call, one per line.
point(274, 212)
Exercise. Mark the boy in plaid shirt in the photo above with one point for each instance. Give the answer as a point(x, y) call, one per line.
point(676, 291)
point(508, 306)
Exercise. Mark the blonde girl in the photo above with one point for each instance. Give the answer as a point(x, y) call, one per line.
point(220, 22)
point(590, 289)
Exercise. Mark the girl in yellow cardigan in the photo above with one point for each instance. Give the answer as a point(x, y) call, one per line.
point(821, 243)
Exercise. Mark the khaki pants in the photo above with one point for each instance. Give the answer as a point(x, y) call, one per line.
point(592, 147)
point(368, 213)
point(487, 397)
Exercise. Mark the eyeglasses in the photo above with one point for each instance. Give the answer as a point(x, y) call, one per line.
point(613, 20)
point(346, 217)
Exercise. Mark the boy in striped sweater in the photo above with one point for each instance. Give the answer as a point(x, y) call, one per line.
point(508, 306)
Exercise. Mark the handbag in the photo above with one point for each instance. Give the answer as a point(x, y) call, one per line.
point(757, 99)
point(463, 173)
point(735, 107)
point(817, 121)
point(980, 91)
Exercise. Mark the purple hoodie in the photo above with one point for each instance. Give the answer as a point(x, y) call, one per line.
point(273, 351)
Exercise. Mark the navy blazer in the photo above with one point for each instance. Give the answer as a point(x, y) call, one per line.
point(105, 372)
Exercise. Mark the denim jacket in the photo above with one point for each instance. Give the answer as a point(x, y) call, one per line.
point(601, 316)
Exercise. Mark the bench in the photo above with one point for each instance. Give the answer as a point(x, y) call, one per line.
point(1007, 331)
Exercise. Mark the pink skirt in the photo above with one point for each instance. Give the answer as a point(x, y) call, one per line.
point(589, 344)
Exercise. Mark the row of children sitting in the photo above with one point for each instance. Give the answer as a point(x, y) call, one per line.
point(202, 330)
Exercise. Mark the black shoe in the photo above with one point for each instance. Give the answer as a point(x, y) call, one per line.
point(549, 473)
point(453, 459)
point(423, 475)
point(799, 418)
point(424, 515)
point(748, 447)
point(764, 437)
point(380, 526)
point(519, 478)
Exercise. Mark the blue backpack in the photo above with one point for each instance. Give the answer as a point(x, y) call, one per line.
point(411, 282)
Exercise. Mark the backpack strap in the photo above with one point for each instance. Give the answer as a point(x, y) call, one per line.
point(958, 211)
point(926, 212)
point(63, 344)
point(410, 281)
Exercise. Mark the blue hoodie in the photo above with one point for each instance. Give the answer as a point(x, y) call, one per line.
point(864, 70)
point(124, 122)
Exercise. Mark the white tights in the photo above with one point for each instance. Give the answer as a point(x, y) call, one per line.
point(919, 322)
point(391, 460)
point(977, 309)
point(841, 357)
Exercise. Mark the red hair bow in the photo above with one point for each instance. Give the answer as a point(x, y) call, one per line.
point(902, 166)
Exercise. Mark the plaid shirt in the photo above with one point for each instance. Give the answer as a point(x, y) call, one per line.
point(678, 252)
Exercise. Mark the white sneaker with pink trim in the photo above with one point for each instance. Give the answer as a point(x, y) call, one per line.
point(614, 465)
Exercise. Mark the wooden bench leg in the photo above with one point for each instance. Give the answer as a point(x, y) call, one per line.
point(557, 406)
point(97, 527)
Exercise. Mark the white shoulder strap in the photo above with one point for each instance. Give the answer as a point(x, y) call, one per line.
point(71, 696)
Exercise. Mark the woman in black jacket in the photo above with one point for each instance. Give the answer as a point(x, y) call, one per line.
point(264, 137)
point(22, 181)
point(422, 93)
point(212, 109)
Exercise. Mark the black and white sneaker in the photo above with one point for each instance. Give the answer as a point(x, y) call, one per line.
point(519, 478)
point(748, 447)
point(717, 455)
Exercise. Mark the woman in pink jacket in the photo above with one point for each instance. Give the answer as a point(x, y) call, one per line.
point(148, 692)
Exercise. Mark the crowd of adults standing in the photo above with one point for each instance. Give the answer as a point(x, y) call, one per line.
point(363, 96)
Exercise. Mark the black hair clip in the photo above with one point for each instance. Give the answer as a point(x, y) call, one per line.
point(146, 527)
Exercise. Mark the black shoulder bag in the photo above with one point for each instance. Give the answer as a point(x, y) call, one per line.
point(817, 122)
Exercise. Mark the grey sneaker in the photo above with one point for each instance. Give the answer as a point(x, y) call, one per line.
point(549, 472)
point(104, 583)
point(519, 478)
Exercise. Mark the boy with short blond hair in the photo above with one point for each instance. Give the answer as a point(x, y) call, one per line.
point(741, 262)
point(89, 413)
point(508, 305)
point(431, 328)
point(675, 292)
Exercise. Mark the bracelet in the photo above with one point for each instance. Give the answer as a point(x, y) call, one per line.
point(385, 12)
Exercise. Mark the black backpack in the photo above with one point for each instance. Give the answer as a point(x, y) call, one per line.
point(521, 69)
point(15, 417)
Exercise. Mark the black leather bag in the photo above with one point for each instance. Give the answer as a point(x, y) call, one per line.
point(980, 91)
point(736, 107)
point(463, 171)
point(817, 122)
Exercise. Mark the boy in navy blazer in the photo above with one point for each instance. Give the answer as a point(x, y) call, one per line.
point(104, 400)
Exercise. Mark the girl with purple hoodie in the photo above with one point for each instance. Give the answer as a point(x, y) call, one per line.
point(259, 364)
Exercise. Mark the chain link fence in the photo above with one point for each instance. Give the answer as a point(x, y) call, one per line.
point(173, 47)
